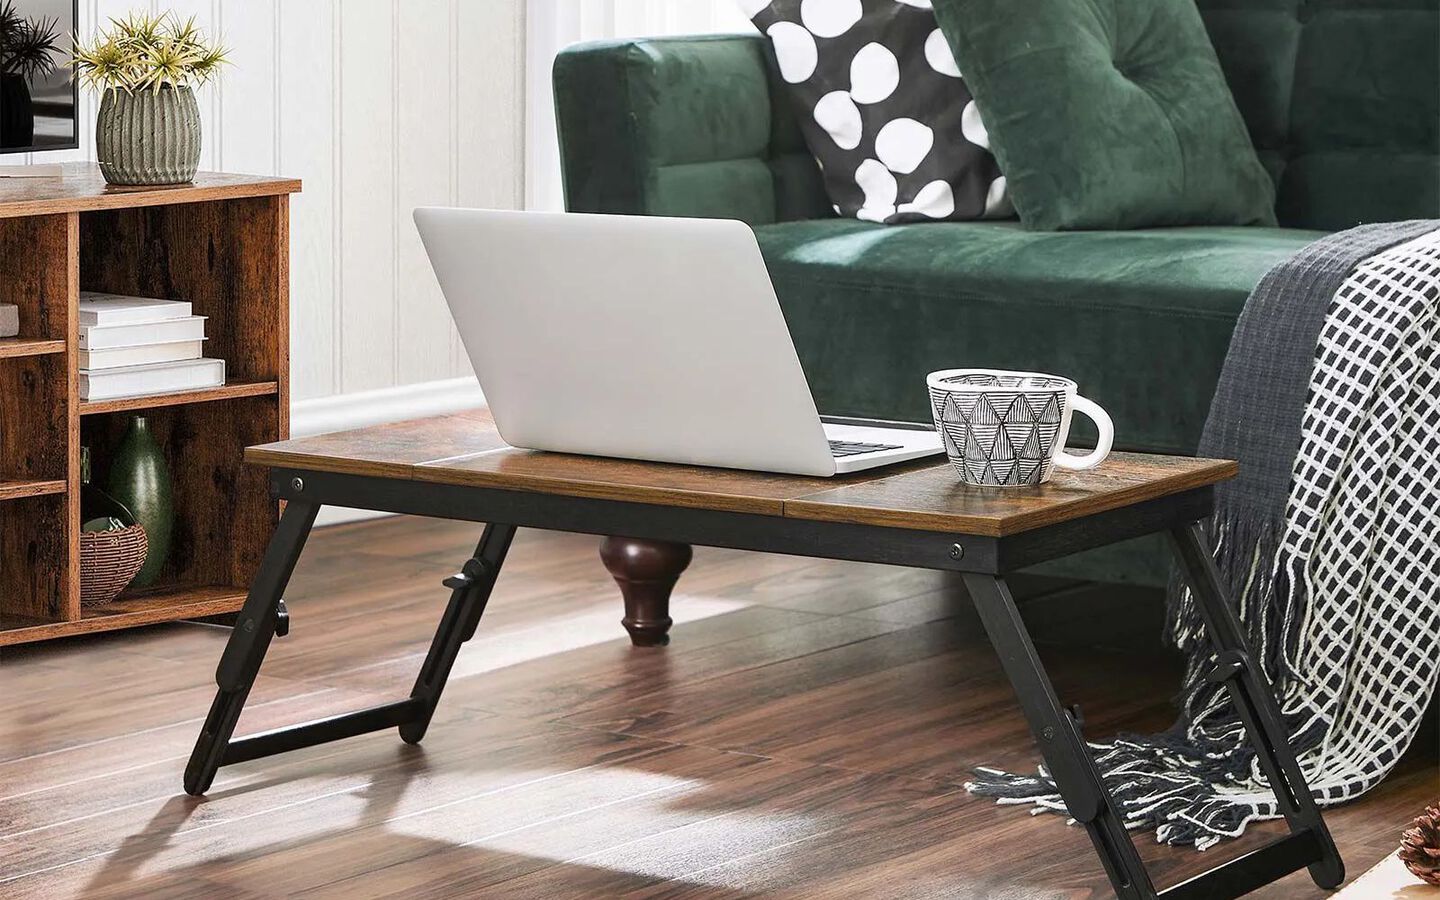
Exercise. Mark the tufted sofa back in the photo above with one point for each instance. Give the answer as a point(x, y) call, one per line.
point(1342, 98)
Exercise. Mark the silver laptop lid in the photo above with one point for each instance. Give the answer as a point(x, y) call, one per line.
point(631, 336)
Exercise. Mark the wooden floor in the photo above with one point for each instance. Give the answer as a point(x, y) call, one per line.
point(806, 735)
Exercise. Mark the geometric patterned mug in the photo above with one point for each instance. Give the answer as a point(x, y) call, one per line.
point(1008, 429)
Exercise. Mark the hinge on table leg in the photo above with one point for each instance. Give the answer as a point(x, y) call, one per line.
point(1228, 666)
point(1072, 767)
point(282, 619)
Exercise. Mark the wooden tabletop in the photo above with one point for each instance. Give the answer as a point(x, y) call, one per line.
point(464, 449)
point(82, 188)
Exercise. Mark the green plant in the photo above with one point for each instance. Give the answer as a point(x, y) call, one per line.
point(148, 51)
point(26, 45)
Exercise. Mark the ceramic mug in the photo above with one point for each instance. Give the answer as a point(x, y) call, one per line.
point(1009, 428)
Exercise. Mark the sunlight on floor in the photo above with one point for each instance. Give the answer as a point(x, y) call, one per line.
point(647, 815)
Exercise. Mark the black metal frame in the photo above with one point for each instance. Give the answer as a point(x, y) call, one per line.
point(984, 561)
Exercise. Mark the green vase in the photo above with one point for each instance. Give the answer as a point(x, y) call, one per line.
point(140, 480)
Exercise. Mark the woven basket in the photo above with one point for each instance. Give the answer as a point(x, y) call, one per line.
point(108, 562)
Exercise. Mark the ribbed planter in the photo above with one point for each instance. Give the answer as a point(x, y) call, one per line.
point(148, 137)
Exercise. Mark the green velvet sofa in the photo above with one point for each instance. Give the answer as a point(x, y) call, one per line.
point(1342, 100)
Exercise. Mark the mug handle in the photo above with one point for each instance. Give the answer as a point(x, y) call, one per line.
point(1102, 445)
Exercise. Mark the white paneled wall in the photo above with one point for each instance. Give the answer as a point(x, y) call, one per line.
point(555, 24)
point(379, 106)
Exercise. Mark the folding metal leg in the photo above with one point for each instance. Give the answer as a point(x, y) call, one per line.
point(1058, 734)
point(1255, 703)
point(263, 616)
point(1056, 730)
point(470, 591)
point(249, 640)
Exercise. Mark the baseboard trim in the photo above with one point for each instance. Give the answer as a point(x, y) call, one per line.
point(322, 415)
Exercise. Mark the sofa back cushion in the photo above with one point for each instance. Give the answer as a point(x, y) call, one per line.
point(1108, 114)
point(1342, 101)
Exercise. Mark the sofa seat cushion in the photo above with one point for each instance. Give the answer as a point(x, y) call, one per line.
point(1141, 319)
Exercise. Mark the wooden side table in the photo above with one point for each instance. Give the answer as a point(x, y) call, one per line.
point(913, 515)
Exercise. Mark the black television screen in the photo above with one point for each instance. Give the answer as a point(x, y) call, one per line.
point(37, 90)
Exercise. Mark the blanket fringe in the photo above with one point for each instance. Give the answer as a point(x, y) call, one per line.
point(1271, 592)
point(1200, 781)
point(1191, 787)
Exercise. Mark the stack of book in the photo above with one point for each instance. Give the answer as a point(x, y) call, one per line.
point(137, 346)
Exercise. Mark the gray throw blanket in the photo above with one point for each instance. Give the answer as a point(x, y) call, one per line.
point(1257, 411)
point(1329, 540)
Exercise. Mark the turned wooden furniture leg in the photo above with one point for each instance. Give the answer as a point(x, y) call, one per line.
point(646, 572)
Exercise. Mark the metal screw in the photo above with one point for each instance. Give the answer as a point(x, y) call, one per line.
point(1048, 733)
point(956, 551)
point(248, 626)
point(297, 484)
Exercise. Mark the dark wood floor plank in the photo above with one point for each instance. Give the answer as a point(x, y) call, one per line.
point(808, 807)
point(550, 616)
point(937, 846)
point(527, 680)
point(257, 809)
point(142, 823)
point(91, 779)
point(926, 702)
point(483, 838)
point(63, 714)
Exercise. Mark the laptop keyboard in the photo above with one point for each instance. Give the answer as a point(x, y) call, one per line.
point(852, 448)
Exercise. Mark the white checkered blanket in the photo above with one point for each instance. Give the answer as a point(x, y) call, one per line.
point(1345, 612)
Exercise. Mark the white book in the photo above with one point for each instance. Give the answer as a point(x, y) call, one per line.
point(156, 378)
point(94, 360)
point(168, 331)
point(97, 308)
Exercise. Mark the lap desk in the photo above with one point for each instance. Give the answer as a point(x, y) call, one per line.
point(915, 514)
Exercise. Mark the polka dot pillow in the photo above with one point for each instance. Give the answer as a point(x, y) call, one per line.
point(883, 108)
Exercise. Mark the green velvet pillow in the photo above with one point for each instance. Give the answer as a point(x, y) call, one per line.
point(1108, 113)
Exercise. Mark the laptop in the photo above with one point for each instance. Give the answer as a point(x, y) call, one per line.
point(641, 337)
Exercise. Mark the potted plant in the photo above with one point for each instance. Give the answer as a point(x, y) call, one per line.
point(27, 48)
point(146, 68)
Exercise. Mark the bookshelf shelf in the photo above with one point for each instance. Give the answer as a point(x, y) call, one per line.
point(19, 490)
point(221, 243)
point(14, 347)
point(155, 401)
point(14, 629)
point(187, 602)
